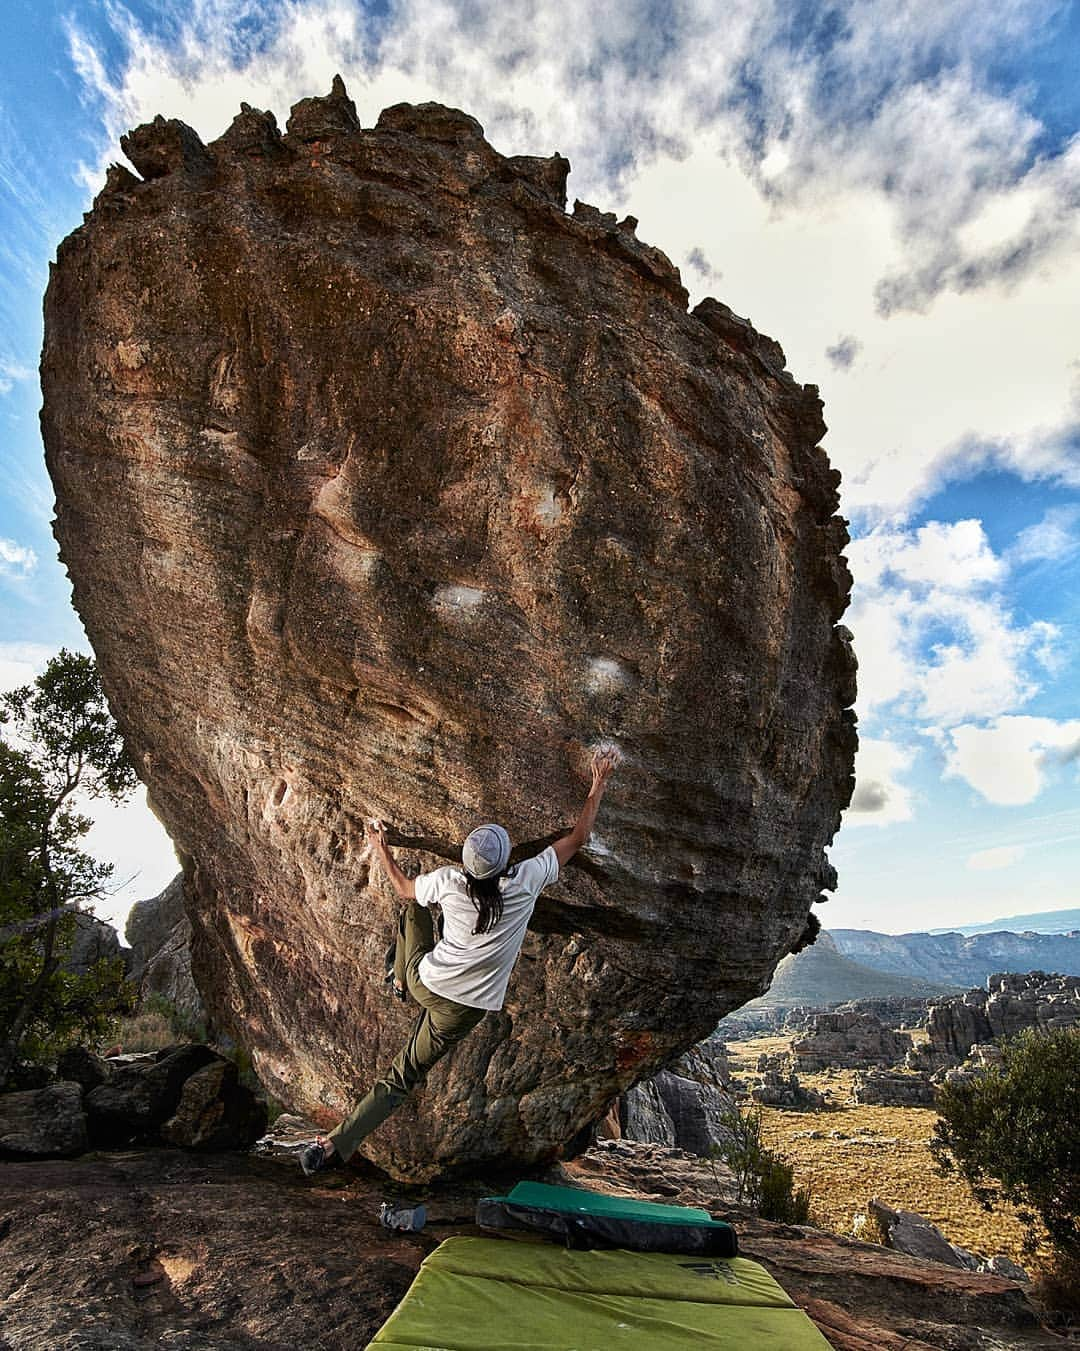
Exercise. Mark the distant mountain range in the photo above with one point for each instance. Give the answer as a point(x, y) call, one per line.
point(822, 975)
point(960, 959)
point(1043, 922)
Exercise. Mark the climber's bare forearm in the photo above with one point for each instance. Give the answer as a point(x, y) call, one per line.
point(403, 886)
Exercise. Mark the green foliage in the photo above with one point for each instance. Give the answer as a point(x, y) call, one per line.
point(1014, 1132)
point(181, 1025)
point(65, 742)
point(763, 1180)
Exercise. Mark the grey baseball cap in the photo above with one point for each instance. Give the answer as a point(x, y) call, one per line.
point(486, 852)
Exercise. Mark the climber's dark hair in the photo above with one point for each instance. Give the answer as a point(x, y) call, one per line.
point(485, 895)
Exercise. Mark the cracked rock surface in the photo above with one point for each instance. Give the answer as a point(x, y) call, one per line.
point(387, 487)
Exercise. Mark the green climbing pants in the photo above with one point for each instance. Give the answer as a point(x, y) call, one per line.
point(441, 1023)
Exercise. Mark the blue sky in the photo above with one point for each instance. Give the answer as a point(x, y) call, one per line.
point(889, 189)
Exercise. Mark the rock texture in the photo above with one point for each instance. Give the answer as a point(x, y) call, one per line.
point(848, 1040)
point(1009, 1004)
point(158, 1248)
point(958, 959)
point(387, 487)
point(160, 936)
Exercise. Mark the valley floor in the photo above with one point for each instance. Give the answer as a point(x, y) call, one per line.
point(850, 1154)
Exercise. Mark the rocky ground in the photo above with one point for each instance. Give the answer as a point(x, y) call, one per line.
point(154, 1248)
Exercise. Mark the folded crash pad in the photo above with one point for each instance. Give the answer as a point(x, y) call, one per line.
point(484, 1294)
point(584, 1219)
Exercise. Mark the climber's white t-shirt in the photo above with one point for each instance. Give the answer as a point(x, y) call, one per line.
point(470, 968)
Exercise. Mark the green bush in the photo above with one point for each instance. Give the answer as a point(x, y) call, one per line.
point(1014, 1134)
point(763, 1180)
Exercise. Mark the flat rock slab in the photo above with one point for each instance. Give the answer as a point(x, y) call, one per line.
point(141, 1249)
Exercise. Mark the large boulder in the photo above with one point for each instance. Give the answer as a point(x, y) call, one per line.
point(137, 1099)
point(43, 1121)
point(387, 488)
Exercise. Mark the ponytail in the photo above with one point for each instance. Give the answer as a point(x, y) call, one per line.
point(485, 894)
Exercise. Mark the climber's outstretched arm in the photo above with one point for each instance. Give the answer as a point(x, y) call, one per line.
point(376, 838)
point(603, 762)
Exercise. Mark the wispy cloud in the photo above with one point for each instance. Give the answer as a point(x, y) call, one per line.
point(10, 371)
point(16, 560)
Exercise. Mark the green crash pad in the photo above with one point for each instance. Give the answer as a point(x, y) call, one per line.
point(483, 1294)
point(585, 1219)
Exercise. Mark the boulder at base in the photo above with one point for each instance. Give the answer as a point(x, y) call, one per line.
point(43, 1121)
point(387, 488)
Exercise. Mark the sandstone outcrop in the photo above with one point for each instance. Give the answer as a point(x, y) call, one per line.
point(387, 486)
point(1010, 1003)
point(913, 1234)
point(160, 936)
point(848, 1040)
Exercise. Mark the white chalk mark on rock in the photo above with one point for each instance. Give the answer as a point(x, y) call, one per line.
point(605, 676)
point(462, 602)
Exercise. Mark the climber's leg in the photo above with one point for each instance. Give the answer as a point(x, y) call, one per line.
point(441, 1024)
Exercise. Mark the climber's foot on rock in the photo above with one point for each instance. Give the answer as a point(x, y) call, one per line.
point(319, 1156)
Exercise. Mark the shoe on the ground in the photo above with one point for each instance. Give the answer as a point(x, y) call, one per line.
point(403, 1219)
point(314, 1159)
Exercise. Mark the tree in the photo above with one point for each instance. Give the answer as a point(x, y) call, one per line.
point(66, 743)
point(1014, 1132)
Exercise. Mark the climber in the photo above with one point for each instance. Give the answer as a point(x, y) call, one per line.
point(486, 907)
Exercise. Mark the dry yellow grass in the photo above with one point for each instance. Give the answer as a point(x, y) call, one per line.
point(875, 1152)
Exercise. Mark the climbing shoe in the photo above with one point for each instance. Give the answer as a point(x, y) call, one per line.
point(314, 1159)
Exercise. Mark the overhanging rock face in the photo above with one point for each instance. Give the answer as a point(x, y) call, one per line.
point(387, 488)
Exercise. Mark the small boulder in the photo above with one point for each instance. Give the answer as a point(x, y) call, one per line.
point(215, 1111)
point(43, 1122)
point(913, 1234)
point(81, 1066)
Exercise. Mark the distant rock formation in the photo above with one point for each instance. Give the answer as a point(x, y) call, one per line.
point(848, 1040)
point(957, 960)
point(1009, 1004)
point(159, 932)
point(386, 487)
point(95, 941)
point(892, 1088)
point(684, 1105)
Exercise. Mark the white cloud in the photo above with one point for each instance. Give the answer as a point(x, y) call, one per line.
point(1010, 760)
point(880, 799)
point(1052, 539)
point(993, 860)
point(795, 163)
point(933, 632)
point(21, 662)
point(16, 560)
